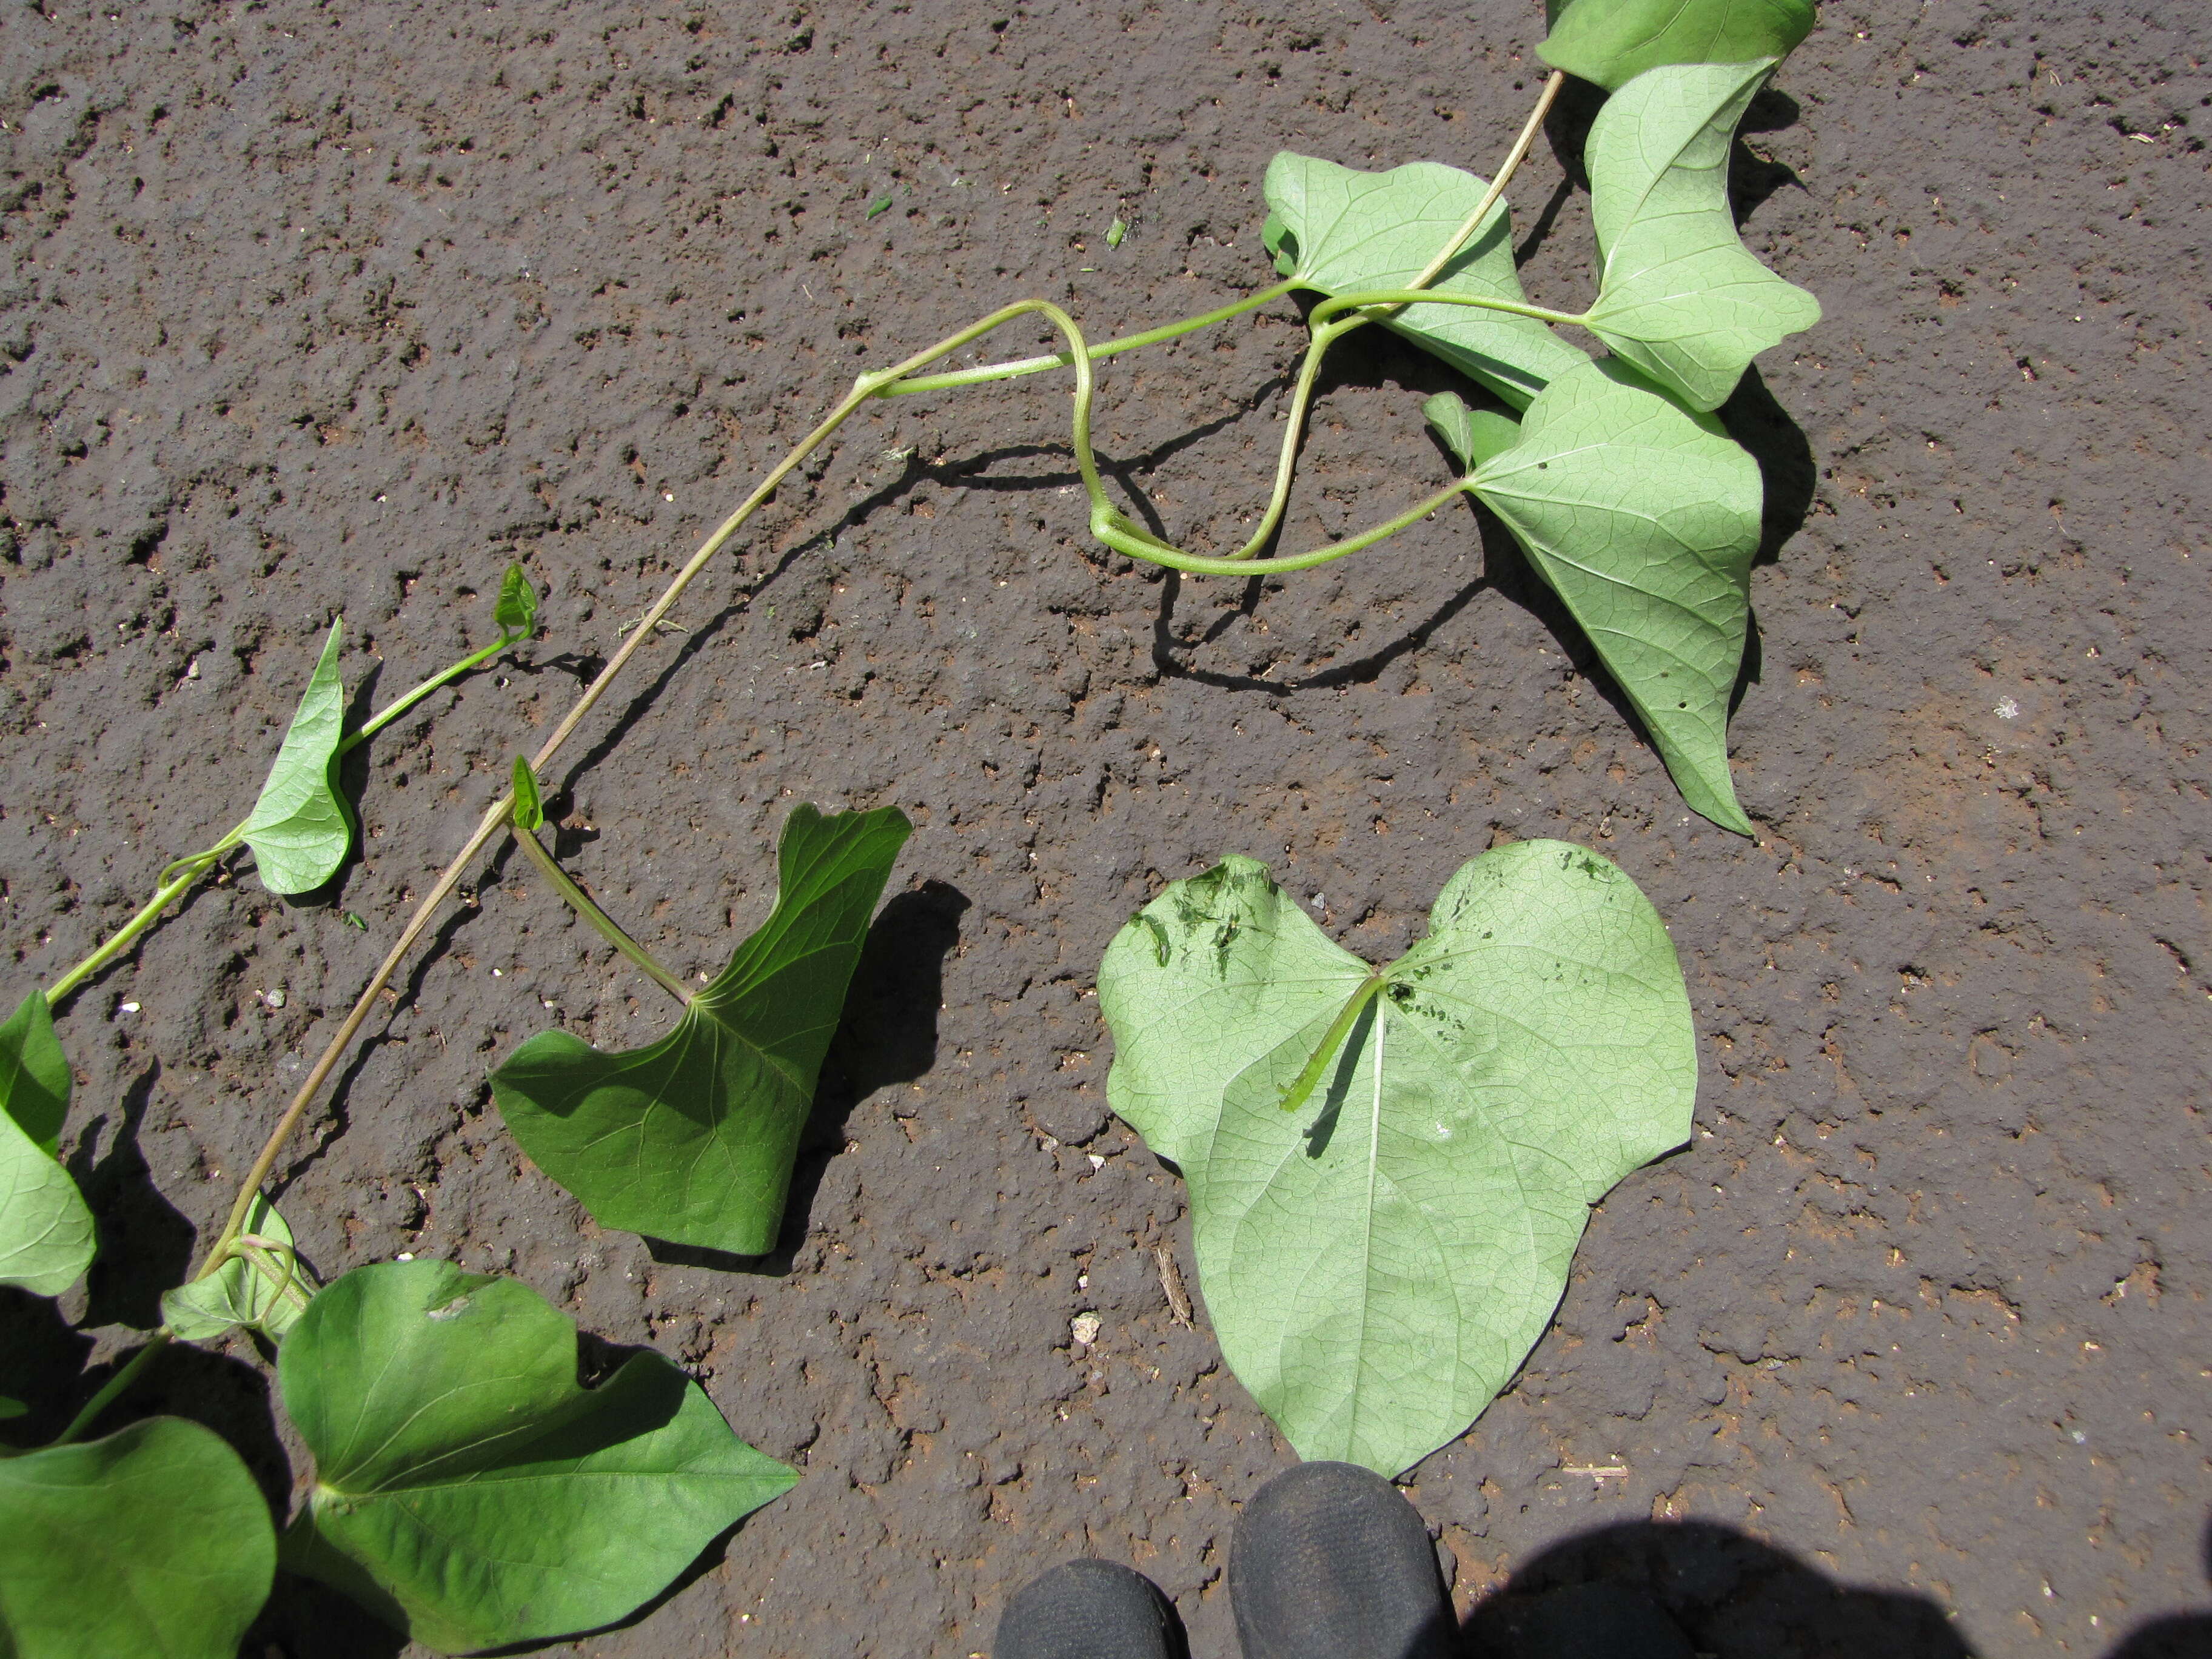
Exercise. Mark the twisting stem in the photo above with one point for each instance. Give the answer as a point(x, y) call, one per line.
point(124, 1377)
point(609, 929)
point(1119, 532)
point(495, 817)
point(1020, 365)
point(1317, 348)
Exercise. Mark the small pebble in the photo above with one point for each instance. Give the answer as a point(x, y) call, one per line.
point(1096, 1162)
point(130, 1008)
point(275, 999)
point(1083, 1328)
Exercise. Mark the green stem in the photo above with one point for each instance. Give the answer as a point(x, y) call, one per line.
point(1317, 348)
point(124, 1377)
point(609, 929)
point(495, 818)
point(384, 717)
point(1303, 1084)
point(1329, 310)
point(178, 877)
point(1020, 365)
point(1117, 530)
point(190, 869)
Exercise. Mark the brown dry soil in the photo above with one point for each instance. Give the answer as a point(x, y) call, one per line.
point(321, 308)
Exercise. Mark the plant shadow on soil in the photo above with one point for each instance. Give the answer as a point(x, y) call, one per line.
point(1594, 1595)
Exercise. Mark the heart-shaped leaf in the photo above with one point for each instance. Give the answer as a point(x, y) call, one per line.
point(1612, 41)
point(47, 1235)
point(1343, 232)
point(692, 1138)
point(154, 1540)
point(1679, 295)
point(265, 1287)
point(1378, 1262)
point(468, 1490)
point(301, 826)
point(1644, 518)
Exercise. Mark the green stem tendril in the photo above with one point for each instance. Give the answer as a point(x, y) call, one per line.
point(1307, 1081)
point(608, 928)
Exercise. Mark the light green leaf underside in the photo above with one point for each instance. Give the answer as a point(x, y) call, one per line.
point(692, 1138)
point(1378, 1264)
point(1473, 435)
point(468, 1490)
point(46, 1237)
point(301, 826)
point(266, 1289)
point(1679, 296)
point(1344, 232)
point(1612, 41)
point(1643, 516)
point(153, 1541)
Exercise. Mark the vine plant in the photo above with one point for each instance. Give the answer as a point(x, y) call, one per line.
point(475, 1513)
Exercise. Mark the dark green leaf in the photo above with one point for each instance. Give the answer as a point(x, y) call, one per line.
point(301, 826)
point(155, 1541)
point(516, 608)
point(265, 1289)
point(529, 810)
point(11, 1408)
point(692, 1138)
point(46, 1237)
point(1378, 1264)
point(1612, 41)
point(1679, 296)
point(468, 1490)
point(1643, 516)
point(34, 1073)
point(1343, 231)
point(1473, 435)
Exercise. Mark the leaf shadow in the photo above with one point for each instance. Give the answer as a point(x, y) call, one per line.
point(41, 1354)
point(886, 1036)
point(1669, 1589)
point(145, 1244)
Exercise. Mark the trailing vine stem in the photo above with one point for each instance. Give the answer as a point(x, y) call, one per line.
point(1336, 317)
point(178, 877)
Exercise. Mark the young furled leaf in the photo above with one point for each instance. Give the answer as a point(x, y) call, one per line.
point(516, 608)
point(1679, 295)
point(1643, 516)
point(46, 1237)
point(264, 1288)
point(692, 1138)
point(1473, 435)
point(154, 1540)
point(11, 1408)
point(467, 1490)
point(1378, 1262)
point(301, 826)
point(1612, 41)
point(529, 809)
point(1343, 231)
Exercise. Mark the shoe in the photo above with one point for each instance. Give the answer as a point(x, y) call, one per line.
point(1089, 1610)
point(1329, 1562)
